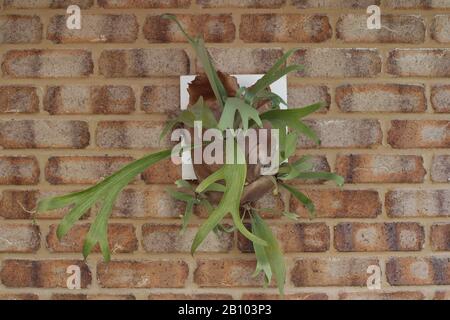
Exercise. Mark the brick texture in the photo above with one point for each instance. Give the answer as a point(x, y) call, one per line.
point(77, 105)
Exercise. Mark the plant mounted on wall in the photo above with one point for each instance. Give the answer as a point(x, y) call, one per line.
point(218, 102)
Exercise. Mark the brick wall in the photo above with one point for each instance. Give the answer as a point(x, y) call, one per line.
point(77, 105)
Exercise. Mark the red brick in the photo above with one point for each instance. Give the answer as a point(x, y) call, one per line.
point(20, 29)
point(269, 205)
point(44, 134)
point(211, 27)
point(415, 4)
point(79, 99)
point(419, 62)
point(442, 295)
point(418, 203)
point(56, 213)
point(418, 271)
point(439, 28)
point(143, 63)
point(19, 170)
point(398, 236)
point(293, 296)
point(47, 63)
point(142, 274)
point(159, 98)
point(166, 238)
point(284, 28)
point(18, 204)
point(396, 295)
point(243, 60)
point(406, 134)
point(440, 98)
point(107, 28)
point(150, 4)
point(154, 203)
point(395, 29)
point(81, 296)
point(336, 271)
point(182, 296)
point(225, 273)
point(42, 4)
point(19, 238)
point(19, 296)
point(131, 135)
point(374, 168)
point(122, 238)
point(381, 98)
point(300, 96)
point(18, 99)
point(298, 237)
point(334, 203)
point(241, 3)
point(163, 172)
point(41, 273)
point(440, 237)
point(338, 4)
point(343, 133)
point(341, 63)
point(440, 168)
point(82, 170)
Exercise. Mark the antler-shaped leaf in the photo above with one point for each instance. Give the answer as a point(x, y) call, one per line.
point(246, 112)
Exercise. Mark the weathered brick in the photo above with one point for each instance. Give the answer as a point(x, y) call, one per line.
point(342, 271)
point(334, 203)
point(344, 4)
point(19, 296)
point(106, 28)
point(223, 273)
point(416, 4)
point(121, 238)
point(395, 29)
point(243, 60)
point(319, 163)
point(241, 3)
point(269, 205)
point(439, 28)
point(142, 274)
point(419, 62)
point(440, 169)
point(440, 98)
point(381, 98)
point(82, 170)
point(18, 204)
point(19, 170)
point(196, 296)
point(440, 236)
point(418, 203)
point(163, 172)
point(44, 134)
point(41, 273)
point(131, 134)
point(20, 29)
point(150, 4)
point(284, 28)
point(160, 99)
point(395, 295)
point(442, 295)
point(20, 99)
point(419, 134)
point(291, 296)
point(81, 296)
point(300, 96)
point(143, 63)
point(398, 236)
point(211, 27)
point(19, 238)
point(342, 133)
point(375, 168)
point(133, 203)
point(36, 63)
point(418, 271)
point(79, 99)
point(167, 238)
point(295, 237)
point(42, 4)
point(341, 63)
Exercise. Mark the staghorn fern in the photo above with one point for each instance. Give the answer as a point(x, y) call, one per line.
point(229, 181)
